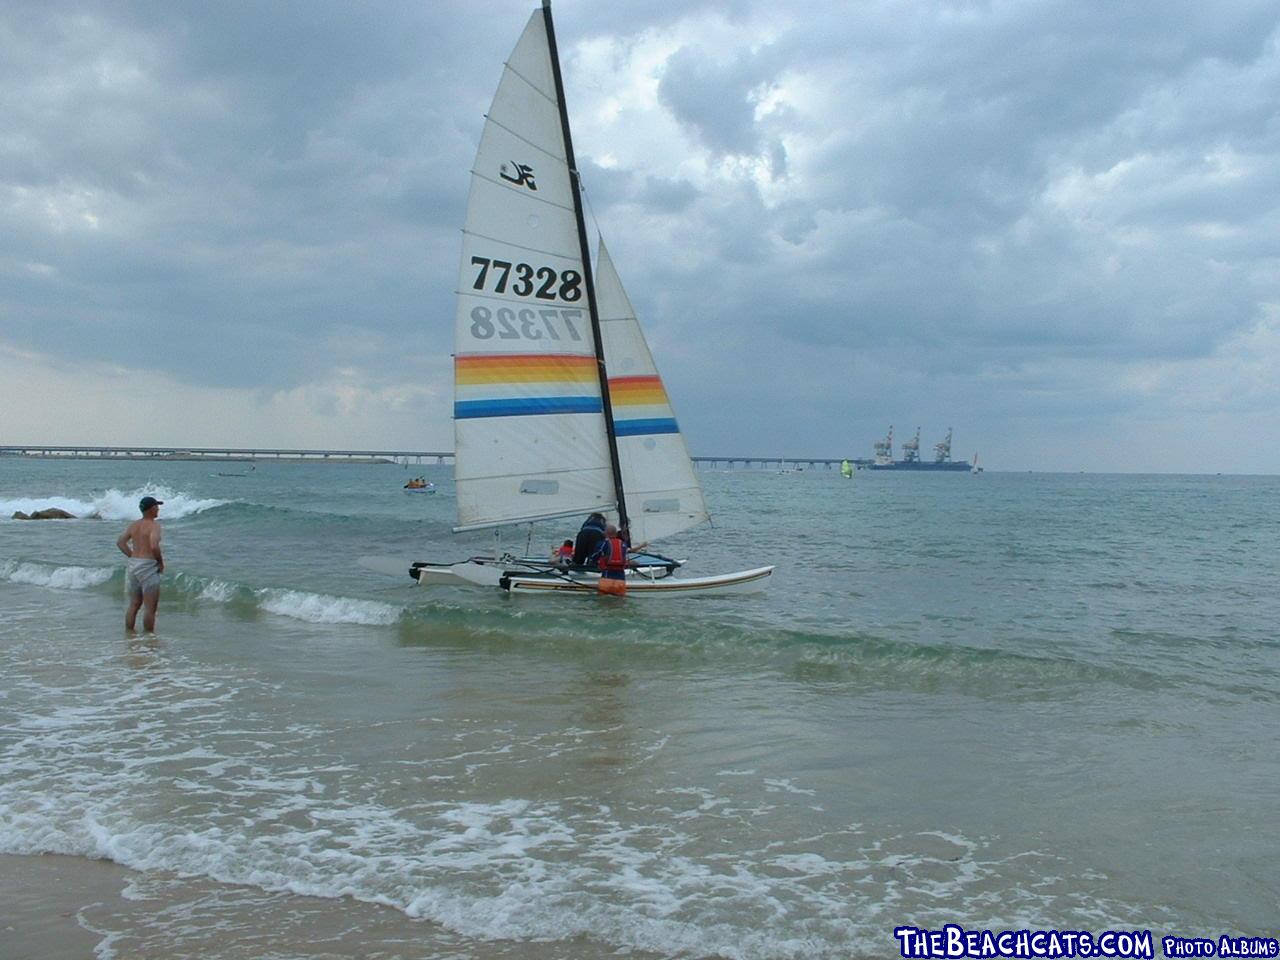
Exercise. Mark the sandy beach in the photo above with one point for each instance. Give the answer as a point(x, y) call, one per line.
point(72, 908)
point(42, 897)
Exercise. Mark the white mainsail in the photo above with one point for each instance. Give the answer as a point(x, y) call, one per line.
point(530, 437)
point(662, 490)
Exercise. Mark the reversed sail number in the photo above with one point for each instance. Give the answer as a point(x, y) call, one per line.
point(542, 283)
point(526, 323)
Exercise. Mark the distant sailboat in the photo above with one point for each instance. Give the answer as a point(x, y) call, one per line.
point(558, 408)
point(846, 469)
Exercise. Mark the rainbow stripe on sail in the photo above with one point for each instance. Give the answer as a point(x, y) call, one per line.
point(524, 384)
point(640, 406)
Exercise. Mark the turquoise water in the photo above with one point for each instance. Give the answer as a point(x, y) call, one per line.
point(1010, 700)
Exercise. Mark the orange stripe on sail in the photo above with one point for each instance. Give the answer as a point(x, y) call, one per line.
point(524, 368)
point(637, 390)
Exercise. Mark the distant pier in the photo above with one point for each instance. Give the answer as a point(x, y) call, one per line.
point(96, 452)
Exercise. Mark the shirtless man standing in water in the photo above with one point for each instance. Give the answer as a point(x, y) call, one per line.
point(141, 544)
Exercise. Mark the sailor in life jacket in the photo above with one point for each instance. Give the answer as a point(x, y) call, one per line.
point(563, 554)
point(611, 556)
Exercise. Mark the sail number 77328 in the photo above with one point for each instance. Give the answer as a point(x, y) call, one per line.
point(542, 283)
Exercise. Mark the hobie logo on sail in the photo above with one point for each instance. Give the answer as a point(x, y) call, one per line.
point(523, 177)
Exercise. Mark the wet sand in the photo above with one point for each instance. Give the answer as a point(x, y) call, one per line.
point(40, 898)
point(70, 908)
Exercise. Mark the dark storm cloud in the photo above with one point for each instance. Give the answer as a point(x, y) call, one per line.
point(714, 99)
point(955, 124)
point(667, 196)
point(228, 181)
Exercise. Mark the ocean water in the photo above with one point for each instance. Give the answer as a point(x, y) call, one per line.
point(1003, 701)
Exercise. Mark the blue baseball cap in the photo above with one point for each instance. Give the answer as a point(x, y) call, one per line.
point(146, 503)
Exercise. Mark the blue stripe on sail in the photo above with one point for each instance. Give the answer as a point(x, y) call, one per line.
point(532, 406)
point(635, 428)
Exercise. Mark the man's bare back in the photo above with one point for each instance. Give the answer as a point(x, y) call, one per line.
point(140, 542)
point(142, 539)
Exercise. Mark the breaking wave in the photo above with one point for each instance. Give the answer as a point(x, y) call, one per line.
point(295, 604)
point(114, 504)
point(322, 608)
point(56, 578)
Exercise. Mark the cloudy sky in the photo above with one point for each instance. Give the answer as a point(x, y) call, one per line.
point(1052, 225)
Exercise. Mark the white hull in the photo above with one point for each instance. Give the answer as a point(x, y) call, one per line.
point(641, 582)
point(744, 581)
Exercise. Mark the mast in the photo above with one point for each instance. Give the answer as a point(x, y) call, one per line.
point(587, 276)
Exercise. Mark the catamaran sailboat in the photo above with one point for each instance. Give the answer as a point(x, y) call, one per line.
point(558, 408)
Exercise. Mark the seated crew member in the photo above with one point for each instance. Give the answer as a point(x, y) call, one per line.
point(563, 554)
point(589, 538)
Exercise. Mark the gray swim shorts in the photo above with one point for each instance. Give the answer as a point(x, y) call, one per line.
point(142, 575)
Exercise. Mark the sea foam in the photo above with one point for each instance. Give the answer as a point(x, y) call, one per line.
point(295, 604)
point(322, 608)
point(114, 504)
point(56, 578)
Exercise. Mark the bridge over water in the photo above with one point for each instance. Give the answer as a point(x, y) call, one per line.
point(98, 452)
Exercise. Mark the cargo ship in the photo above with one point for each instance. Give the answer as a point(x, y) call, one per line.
point(911, 456)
